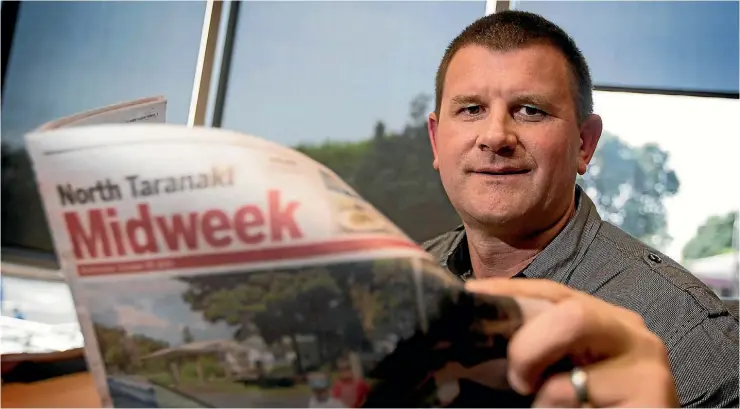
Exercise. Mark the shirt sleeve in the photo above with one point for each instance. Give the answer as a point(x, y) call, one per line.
point(705, 364)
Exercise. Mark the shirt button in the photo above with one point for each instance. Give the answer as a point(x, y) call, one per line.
point(654, 258)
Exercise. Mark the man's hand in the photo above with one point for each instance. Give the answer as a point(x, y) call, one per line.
point(626, 364)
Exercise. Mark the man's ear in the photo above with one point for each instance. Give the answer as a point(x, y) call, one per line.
point(432, 130)
point(590, 134)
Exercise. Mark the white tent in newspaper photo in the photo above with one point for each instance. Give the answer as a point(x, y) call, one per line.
point(241, 360)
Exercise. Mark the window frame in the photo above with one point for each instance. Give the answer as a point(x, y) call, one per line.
point(9, 13)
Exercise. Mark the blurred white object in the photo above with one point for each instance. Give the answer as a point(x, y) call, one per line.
point(718, 272)
point(24, 337)
point(43, 301)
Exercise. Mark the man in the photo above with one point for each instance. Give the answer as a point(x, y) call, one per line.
point(512, 126)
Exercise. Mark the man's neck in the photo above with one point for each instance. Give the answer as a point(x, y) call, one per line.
point(492, 256)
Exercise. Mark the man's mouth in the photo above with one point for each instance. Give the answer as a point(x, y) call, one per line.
point(501, 171)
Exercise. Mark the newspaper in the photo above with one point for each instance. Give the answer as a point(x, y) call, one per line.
point(216, 269)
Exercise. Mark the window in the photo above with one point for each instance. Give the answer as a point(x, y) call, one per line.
point(68, 57)
point(676, 45)
point(350, 84)
point(672, 170)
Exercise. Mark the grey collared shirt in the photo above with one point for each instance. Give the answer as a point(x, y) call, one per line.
point(593, 256)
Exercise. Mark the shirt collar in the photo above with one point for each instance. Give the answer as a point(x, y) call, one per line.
point(556, 261)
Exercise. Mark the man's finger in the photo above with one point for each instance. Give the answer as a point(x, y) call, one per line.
point(531, 287)
point(621, 382)
point(573, 329)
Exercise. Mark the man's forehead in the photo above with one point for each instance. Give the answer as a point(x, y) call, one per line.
point(534, 69)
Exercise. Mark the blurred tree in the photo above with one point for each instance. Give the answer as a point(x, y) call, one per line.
point(418, 110)
point(122, 352)
point(342, 157)
point(628, 186)
point(379, 130)
point(712, 238)
point(187, 335)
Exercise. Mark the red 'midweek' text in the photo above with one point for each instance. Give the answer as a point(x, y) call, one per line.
point(99, 233)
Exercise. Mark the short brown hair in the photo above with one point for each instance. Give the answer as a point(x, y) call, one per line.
point(508, 30)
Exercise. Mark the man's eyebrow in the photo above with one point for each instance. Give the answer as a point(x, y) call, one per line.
point(534, 99)
point(529, 98)
point(466, 99)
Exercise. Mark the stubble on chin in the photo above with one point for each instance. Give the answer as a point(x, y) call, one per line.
point(495, 205)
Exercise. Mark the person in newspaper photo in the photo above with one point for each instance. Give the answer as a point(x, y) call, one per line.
point(321, 389)
point(348, 388)
point(512, 127)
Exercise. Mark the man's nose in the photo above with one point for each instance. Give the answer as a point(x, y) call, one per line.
point(497, 135)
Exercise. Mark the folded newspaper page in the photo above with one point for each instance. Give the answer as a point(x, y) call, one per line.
point(215, 269)
point(151, 109)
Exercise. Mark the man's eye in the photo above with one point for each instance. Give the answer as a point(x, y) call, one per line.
point(530, 112)
point(471, 110)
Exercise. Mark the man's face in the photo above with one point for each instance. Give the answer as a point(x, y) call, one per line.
point(507, 142)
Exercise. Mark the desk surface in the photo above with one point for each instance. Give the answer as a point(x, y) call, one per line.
point(69, 391)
